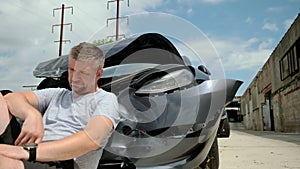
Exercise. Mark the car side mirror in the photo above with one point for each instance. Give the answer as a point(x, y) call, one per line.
point(204, 69)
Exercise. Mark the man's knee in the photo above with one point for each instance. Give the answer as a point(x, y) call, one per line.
point(4, 114)
point(8, 163)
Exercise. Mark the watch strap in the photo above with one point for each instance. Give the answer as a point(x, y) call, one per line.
point(32, 154)
point(31, 149)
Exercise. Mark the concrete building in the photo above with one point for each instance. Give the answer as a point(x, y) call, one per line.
point(272, 100)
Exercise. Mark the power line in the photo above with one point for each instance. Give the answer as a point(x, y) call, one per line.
point(61, 25)
point(117, 18)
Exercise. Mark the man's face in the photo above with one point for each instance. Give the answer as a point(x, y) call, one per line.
point(83, 76)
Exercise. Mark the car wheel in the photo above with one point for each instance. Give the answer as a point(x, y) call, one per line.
point(212, 159)
point(226, 128)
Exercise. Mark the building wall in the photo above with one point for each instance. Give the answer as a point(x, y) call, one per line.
point(273, 97)
point(286, 104)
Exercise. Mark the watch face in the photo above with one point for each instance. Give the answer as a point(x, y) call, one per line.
point(31, 148)
point(30, 145)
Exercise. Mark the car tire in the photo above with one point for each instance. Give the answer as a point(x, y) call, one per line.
point(226, 128)
point(212, 159)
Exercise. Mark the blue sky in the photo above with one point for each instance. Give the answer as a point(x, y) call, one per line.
point(242, 33)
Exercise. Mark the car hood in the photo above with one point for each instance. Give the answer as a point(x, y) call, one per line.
point(141, 48)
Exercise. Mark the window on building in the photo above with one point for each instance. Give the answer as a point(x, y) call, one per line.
point(294, 63)
point(284, 67)
point(289, 63)
point(298, 51)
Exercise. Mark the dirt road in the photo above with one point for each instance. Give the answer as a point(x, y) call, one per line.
point(247, 149)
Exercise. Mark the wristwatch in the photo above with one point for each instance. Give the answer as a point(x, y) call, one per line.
point(31, 149)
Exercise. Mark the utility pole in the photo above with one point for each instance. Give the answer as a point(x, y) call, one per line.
point(117, 18)
point(62, 24)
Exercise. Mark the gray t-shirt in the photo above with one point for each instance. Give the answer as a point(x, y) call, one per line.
point(65, 115)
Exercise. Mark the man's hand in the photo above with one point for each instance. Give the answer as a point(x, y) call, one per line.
point(32, 130)
point(13, 152)
point(23, 105)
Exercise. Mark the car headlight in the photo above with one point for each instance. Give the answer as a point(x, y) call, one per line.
point(170, 81)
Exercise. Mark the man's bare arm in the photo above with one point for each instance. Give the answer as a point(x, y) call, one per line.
point(23, 105)
point(20, 104)
point(77, 144)
point(64, 149)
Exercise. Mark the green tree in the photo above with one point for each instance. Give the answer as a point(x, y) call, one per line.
point(102, 42)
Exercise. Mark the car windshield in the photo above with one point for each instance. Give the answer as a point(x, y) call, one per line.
point(125, 69)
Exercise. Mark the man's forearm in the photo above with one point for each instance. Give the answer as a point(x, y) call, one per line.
point(67, 148)
point(97, 130)
point(19, 104)
point(64, 149)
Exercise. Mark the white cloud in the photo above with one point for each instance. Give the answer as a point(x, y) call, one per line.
point(232, 54)
point(212, 1)
point(248, 43)
point(201, 1)
point(267, 44)
point(270, 26)
point(287, 23)
point(137, 6)
point(189, 11)
point(237, 54)
point(249, 20)
point(274, 9)
point(26, 37)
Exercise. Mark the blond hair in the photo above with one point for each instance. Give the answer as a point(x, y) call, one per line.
point(86, 51)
